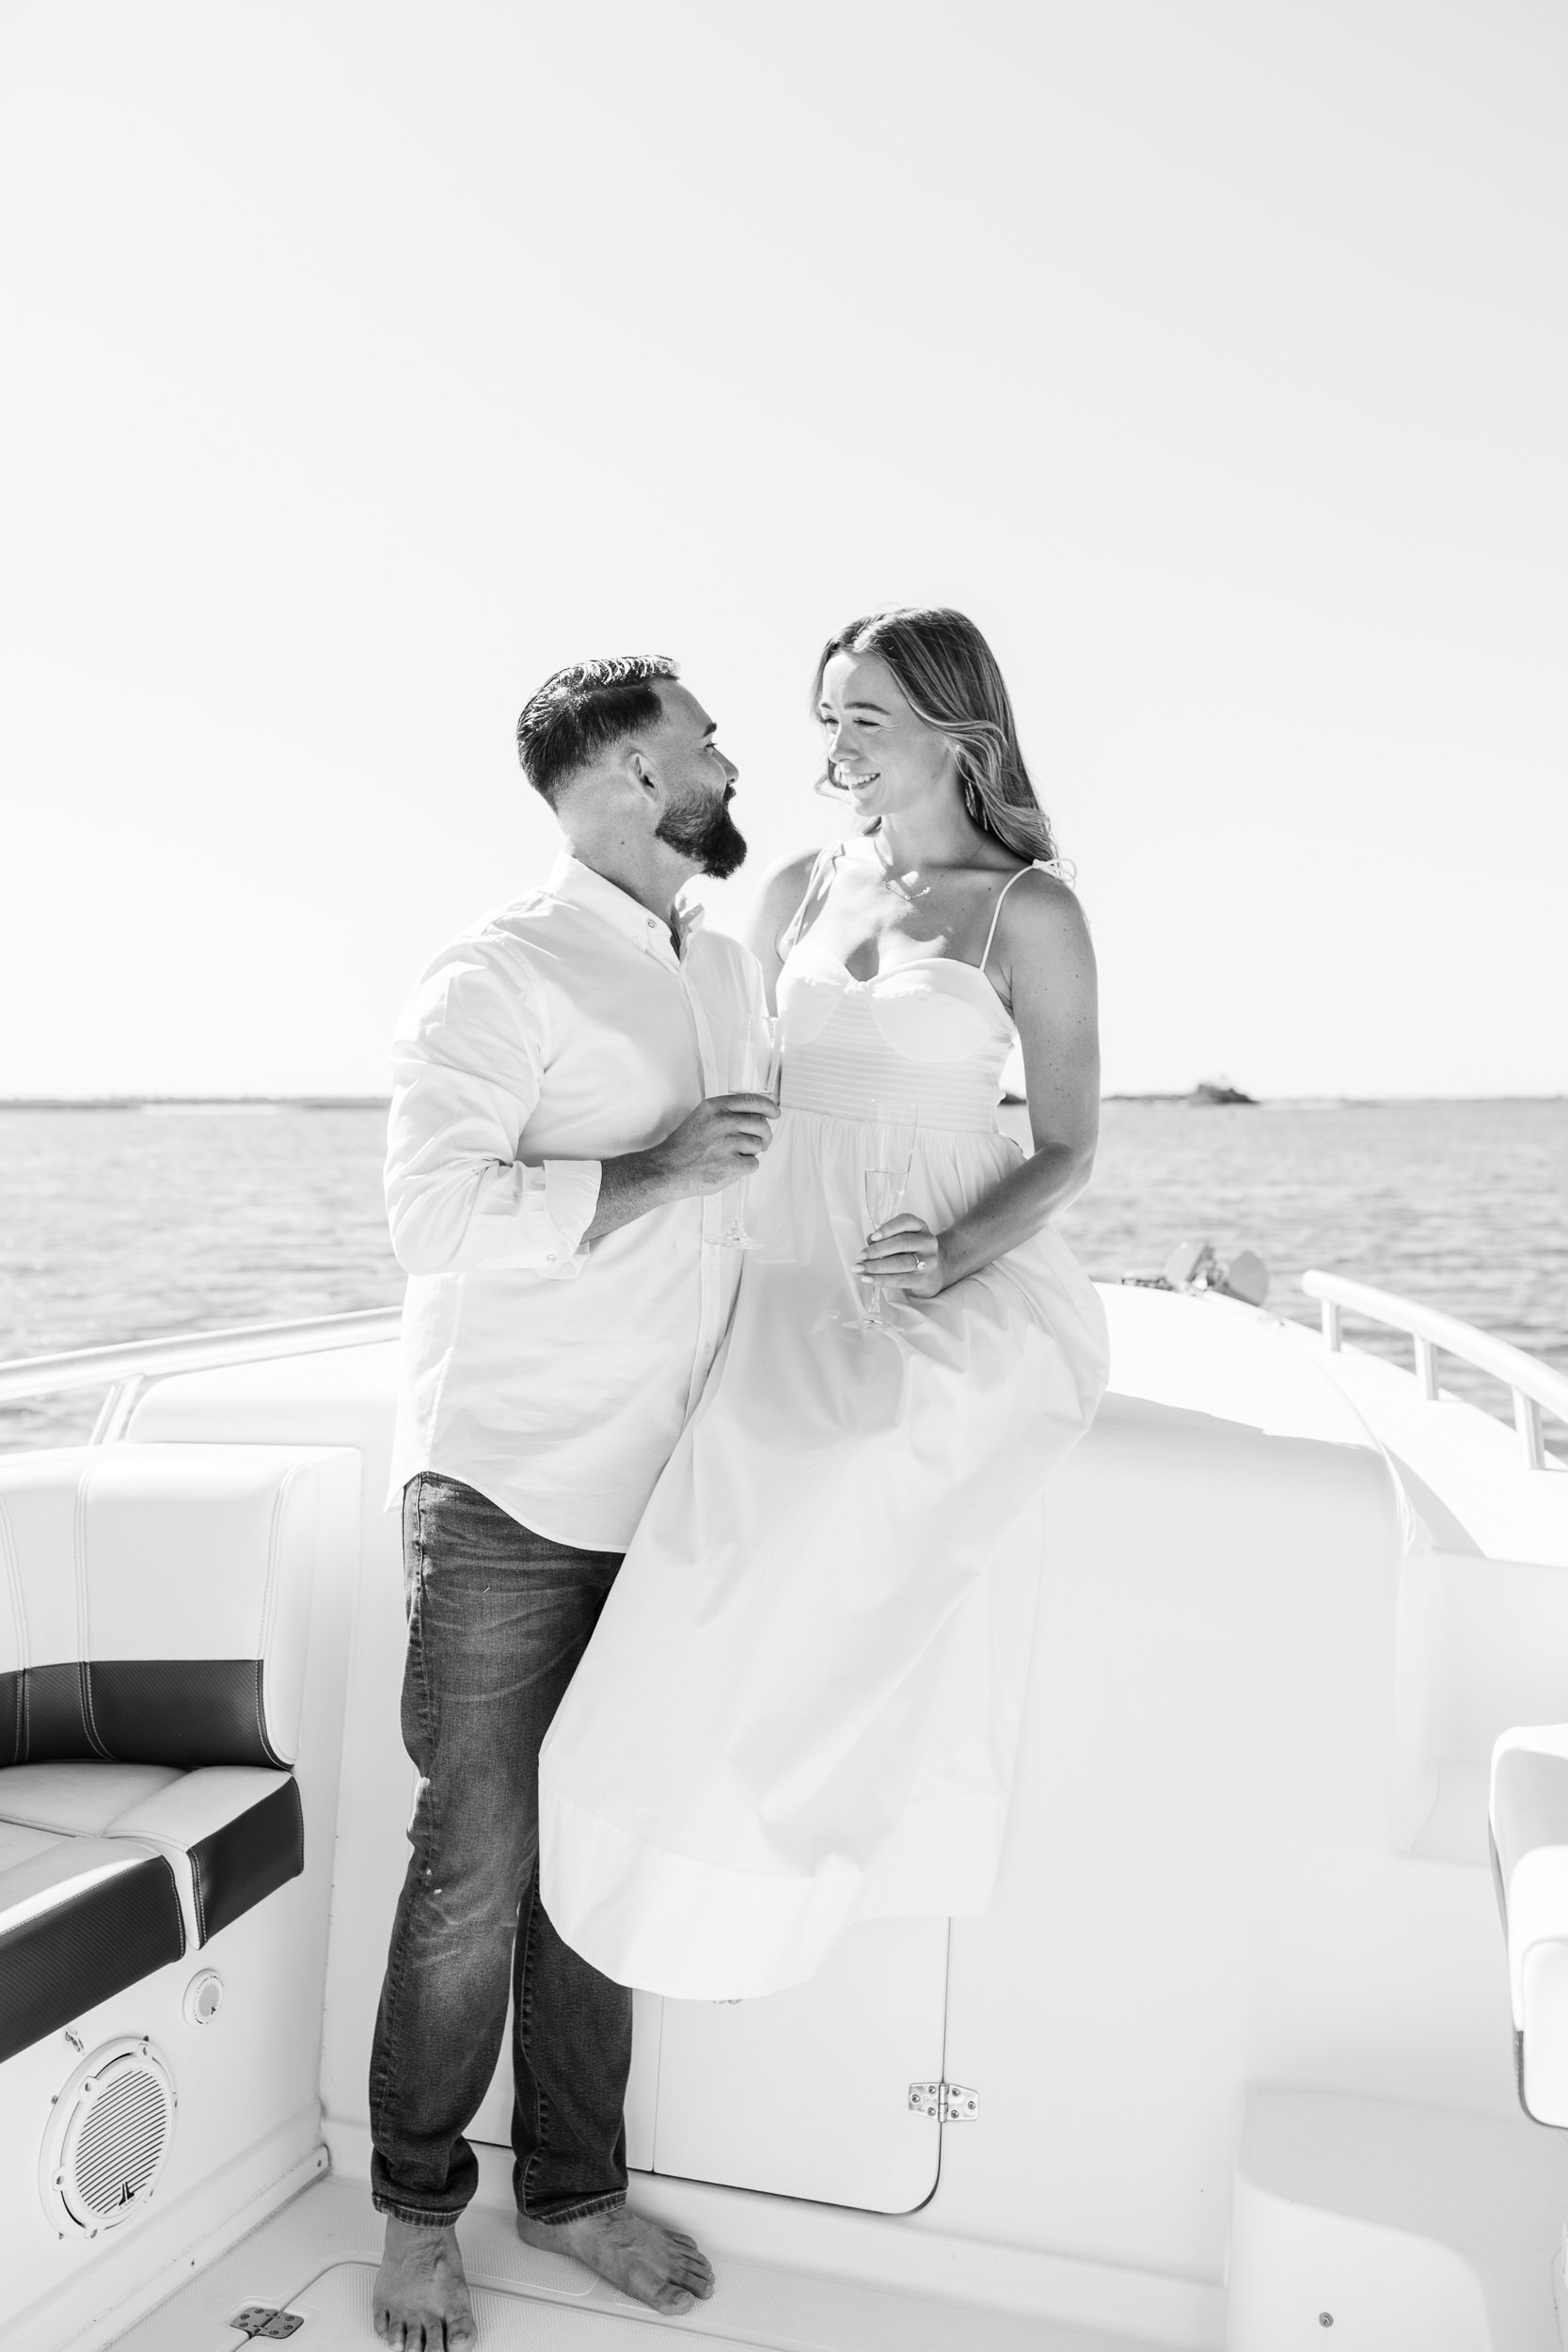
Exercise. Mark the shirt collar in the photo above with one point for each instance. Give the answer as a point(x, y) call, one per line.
point(580, 886)
point(690, 914)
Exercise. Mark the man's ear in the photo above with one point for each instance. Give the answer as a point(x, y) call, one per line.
point(641, 774)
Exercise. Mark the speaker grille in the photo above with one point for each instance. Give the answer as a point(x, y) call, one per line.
point(120, 2144)
point(108, 2137)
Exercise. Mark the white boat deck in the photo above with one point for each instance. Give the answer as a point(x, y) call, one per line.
point(317, 2259)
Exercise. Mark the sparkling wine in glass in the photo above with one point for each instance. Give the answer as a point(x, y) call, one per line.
point(886, 1180)
point(755, 1067)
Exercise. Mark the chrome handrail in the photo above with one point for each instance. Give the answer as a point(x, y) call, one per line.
point(125, 1369)
point(1534, 1386)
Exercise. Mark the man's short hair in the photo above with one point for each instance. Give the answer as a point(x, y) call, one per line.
point(584, 711)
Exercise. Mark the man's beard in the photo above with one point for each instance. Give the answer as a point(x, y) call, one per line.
point(706, 831)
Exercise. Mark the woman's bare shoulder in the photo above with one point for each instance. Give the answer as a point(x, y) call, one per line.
point(791, 873)
point(783, 886)
point(1041, 916)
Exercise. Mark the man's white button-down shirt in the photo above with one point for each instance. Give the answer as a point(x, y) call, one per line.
point(554, 1376)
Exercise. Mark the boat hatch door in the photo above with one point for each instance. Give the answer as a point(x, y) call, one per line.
point(805, 2094)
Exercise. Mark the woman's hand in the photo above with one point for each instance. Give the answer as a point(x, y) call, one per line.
point(904, 1255)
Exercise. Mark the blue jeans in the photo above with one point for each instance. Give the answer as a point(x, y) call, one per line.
point(497, 1618)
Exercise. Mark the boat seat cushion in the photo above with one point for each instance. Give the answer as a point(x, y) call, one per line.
point(1529, 1857)
point(155, 1624)
point(77, 1800)
point(80, 1919)
point(230, 1832)
point(233, 1833)
point(158, 1605)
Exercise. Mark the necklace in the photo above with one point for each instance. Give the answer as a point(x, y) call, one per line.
point(900, 888)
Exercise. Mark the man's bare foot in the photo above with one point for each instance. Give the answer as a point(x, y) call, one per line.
point(422, 2296)
point(659, 2267)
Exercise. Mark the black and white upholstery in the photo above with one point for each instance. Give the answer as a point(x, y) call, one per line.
point(154, 1622)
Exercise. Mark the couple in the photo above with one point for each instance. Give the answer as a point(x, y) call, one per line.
point(806, 1552)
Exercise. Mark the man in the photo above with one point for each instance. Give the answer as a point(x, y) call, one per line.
point(559, 1135)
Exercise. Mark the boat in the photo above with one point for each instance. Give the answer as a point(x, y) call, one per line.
point(1245, 2054)
point(1217, 1093)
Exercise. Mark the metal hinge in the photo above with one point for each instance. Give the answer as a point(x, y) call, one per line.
point(944, 2103)
point(261, 2319)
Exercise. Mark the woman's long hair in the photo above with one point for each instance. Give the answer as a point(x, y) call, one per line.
point(952, 682)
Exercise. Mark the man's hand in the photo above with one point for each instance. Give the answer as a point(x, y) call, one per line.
point(723, 1140)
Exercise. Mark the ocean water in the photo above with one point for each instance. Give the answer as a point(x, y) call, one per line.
point(118, 1224)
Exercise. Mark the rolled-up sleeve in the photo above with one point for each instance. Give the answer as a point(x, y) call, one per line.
point(468, 1061)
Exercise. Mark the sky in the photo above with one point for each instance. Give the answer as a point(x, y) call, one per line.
point(366, 362)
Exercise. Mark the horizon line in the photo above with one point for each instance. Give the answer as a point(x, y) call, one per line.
point(1193, 1096)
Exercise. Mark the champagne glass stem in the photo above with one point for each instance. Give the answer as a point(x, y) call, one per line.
point(883, 1190)
point(754, 1068)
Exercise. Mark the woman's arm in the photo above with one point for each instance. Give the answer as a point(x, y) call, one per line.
point(782, 890)
point(1048, 964)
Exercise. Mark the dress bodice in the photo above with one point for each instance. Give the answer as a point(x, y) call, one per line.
point(933, 1032)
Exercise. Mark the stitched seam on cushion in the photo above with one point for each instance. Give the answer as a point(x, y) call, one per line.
point(84, 1664)
point(13, 1819)
point(179, 1906)
point(237, 1822)
point(11, 1567)
point(269, 1604)
point(267, 1749)
point(275, 1547)
point(174, 1853)
point(195, 1891)
point(73, 1893)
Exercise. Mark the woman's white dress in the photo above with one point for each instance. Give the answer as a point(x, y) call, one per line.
point(800, 1705)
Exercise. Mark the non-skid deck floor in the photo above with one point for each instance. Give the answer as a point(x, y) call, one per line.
point(336, 2309)
point(317, 2258)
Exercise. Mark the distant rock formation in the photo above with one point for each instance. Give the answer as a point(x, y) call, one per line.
point(1211, 1090)
point(1204, 1096)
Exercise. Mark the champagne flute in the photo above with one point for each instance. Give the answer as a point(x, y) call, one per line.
point(755, 1065)
point(886, 1179)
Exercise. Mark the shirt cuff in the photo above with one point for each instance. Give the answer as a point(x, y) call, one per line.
point(571, 1197)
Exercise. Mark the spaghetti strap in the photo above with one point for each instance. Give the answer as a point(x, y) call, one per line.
point(825, 861)
point(996, 915)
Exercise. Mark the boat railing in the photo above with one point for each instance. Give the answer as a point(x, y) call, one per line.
point(124, 1370)
point(1535, 1386)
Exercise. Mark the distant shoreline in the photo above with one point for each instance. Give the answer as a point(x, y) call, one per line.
point(194, 1102)
point(383, 1101)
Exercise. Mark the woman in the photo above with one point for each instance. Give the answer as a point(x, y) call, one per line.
point(800, 1705)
